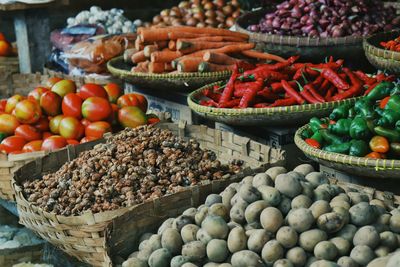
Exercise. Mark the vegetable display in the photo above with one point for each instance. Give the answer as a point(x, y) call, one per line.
point(392, 45)
point(289, 83)
point(339, 18)
point(277, 218)
point(369, 128)
point(5, 47)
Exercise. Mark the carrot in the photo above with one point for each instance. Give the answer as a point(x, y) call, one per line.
point(234, 48)
point(177, 35)
point(141, 67)
point(161, 44)
point(149, 49)
point(168, 67)
point(139, 44)
point(261, 55)
point(138, 57)
point(209, 67)
point(190, 64)
point(193, 46)
point(155, 67)
point(154, 35)
point(172, 45)
point(128, 54)
point(214, 39)
point(219, 58)
point(164, 56)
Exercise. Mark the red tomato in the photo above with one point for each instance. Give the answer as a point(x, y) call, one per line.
point(152, 119)
point(88, 139)
point(72, 105)
point(28, 132)
point(72, 142)
point(3, 104)
point(113, 119)
point(54, 142)
point(12, 102)
point(51, 103)
point(113, 91)
point(13, 143)
point(98, 129)
point(135, 100)
point(55, 123)
point(28, 111)
point(37, 93)
point(131, 117)
point(33, 146)
point(46, 135)
point(85, 122)
point(42, 124)
point(52, 81)
point(64, 87)
point(90, 90)
point(8, 124)
point(71, 128)
point(96, 109)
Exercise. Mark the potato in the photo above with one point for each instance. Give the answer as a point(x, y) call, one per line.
point(181, 221)
point(317, 178)
point(144, 254)
point(271, 219)
point(134, 262)
point(321, 194)
point(194, 251)
point(232, 225)
point(330, 222)
point(283, 263)
point(366, 235)
point(333, 190)
point(154, 242)
point(189, 233)
point(143, 244)
point(378, 202)
point(325, 250)
point(227, 195)
point(319, 207)
point(237, 213)
point(310, 261)
point(345, 214)
point(324, 263)
point(212, 199)
point(178, 261)
point(388, 239)
point(236, 199)
point(362, 214)
point(382, 251)
point(215, 226)
point(219, 209)
point(191, 212)
point(211, 264)
point(346, 261)
point(394, 260)
point(340, 203)
point(357, 197)
point(247, 180)
point(246, 258)
point(347, 232)
point(270, 195)
point(253, 211)
point(262, 179)
point(304, 169)
point(301, 201)
point(275, 171)
point(343, 246)
point(252, 226)
point(297, 256)
point(160, 258)
point(257, 239)
point(341, 197)
point(225, 265)
point(201, 215)
point(309, 239)
point(203, 236)
point(288, 185)
point(145, 236)
point(285, 205)
point(189, 264)
point(395, 223)
point(133, 254)
point(308, 189)
point(166, 224)
point(362, 254)
point(300, 219)
point(217, 250)
point(249, 193)
point(379, 262)
point(171, 240)
point(287, 237)
point(271, 252)
point(237, 240)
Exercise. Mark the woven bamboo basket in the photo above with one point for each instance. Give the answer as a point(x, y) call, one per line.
point(22, 83)
point(97, 238)
point(175, 81)
point(295, 115)
point(9, 257)
point(360, 166)
point(378, 56)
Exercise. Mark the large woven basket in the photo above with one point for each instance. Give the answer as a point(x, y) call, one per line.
point(291, 115)
point(9, 257)
point(360, 166)
point(8, 66)
point(175, 81)
point(96, 238)
point(21, 83)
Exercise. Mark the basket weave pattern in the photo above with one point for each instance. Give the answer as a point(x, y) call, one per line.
point(9, 257)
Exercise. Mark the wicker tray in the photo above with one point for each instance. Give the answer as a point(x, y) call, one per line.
point(95, 238)
point(293, 115)
point(9, 257)
point(361, 166)
point(176, 81)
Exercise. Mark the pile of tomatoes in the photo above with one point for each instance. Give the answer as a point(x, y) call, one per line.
point(59, 114)
point(5, 47)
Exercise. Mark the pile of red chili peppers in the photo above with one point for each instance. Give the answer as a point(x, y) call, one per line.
point(392, 45)
point(290, 83)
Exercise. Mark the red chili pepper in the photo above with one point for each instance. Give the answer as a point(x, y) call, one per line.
point(329, 93)
point(334, 78)
point(324, 86)
point(312, 142)
point(229, 104)
point(307, 95)
point(298, 74)
point(371, 87)
point(364, 77)
point(309, 87)
point(210, 94)
point(311, 72)
point(288, 62)
point(229, 88)
point(278, 87)
point(208, 103)
point(262, 105)
point(264, 74)
point(249, 96)
point(292, 92)
point(268, 94)
point(318, 82)
point(355, 89)
point(284, 102)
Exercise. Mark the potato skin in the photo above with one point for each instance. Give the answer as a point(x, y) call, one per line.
point(217, 250)
point(271, 219)
point(300, 219)
point(246, 258)
point(362, 254)
point(257, 239)
point(237, 240)
point(366, 235)
point(288, 185)
point(287, 237)
point(309, 239)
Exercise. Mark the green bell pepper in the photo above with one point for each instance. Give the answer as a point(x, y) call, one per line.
point(318, 137)
point(307, 133)
point(352, 113)
point(341, 127)
point(397, 126)
point(358, 148)
point(340, 112)
point(395, 148)
point(391, 134)
point(393, 103)
point(316, 124)
point(380, 91)
point(359, 129)
point(329, 137)
point(365, 108)
point(389, 118)
point(379, 111)
point(395, 90)
point(342, 148)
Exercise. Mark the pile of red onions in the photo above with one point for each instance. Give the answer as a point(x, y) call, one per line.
point(328, 18)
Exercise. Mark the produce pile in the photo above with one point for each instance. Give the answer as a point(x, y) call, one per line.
point(5, 47)
point(13, 237)
point(54, 116)
point(133, 166)
point(322, 18)
point(288, 83)
point(369, 128)
point(191, 49)
point(392, 45)
point(207, 13)
point(276, 219)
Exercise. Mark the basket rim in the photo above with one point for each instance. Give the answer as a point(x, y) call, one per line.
point(256, 111)
point(377, 164)
point(379, 52)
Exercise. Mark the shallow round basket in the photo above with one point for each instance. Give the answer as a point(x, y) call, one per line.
point(310, 49)
point(290, 115)
point(360, 166)
point(175, 81)
point(379, 57)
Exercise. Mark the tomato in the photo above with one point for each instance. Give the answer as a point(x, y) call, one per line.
point(33, 146)
point(36, 93)
point(3, 103)
point(12, 102)
point(28, 111)
point(64, 87)
point(113, 91)
point(46, 135)
point(13, 143)
point(131, 117)
point(54, 142)
point(42, 124)
point(51, 103)
point(72, 105)
point(88, 139)
point(8, 124)
point(152, 119)
point(55, 123)
point(28, 132)
point(5, 49)
point(90, 90)
point(71, 128)
point(135, 100)
point(72, 142)
point(98, 129)
point(52, 81)
point(96, 109)
point(113, 118)
point(85, 122)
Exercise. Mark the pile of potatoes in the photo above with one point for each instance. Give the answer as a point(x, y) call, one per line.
point(279, 219)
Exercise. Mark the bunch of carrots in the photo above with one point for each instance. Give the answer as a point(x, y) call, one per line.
point(392, 45)
point(289, 83)
point(191, 49)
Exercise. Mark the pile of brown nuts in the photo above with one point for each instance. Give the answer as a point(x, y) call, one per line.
point(133, 166)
